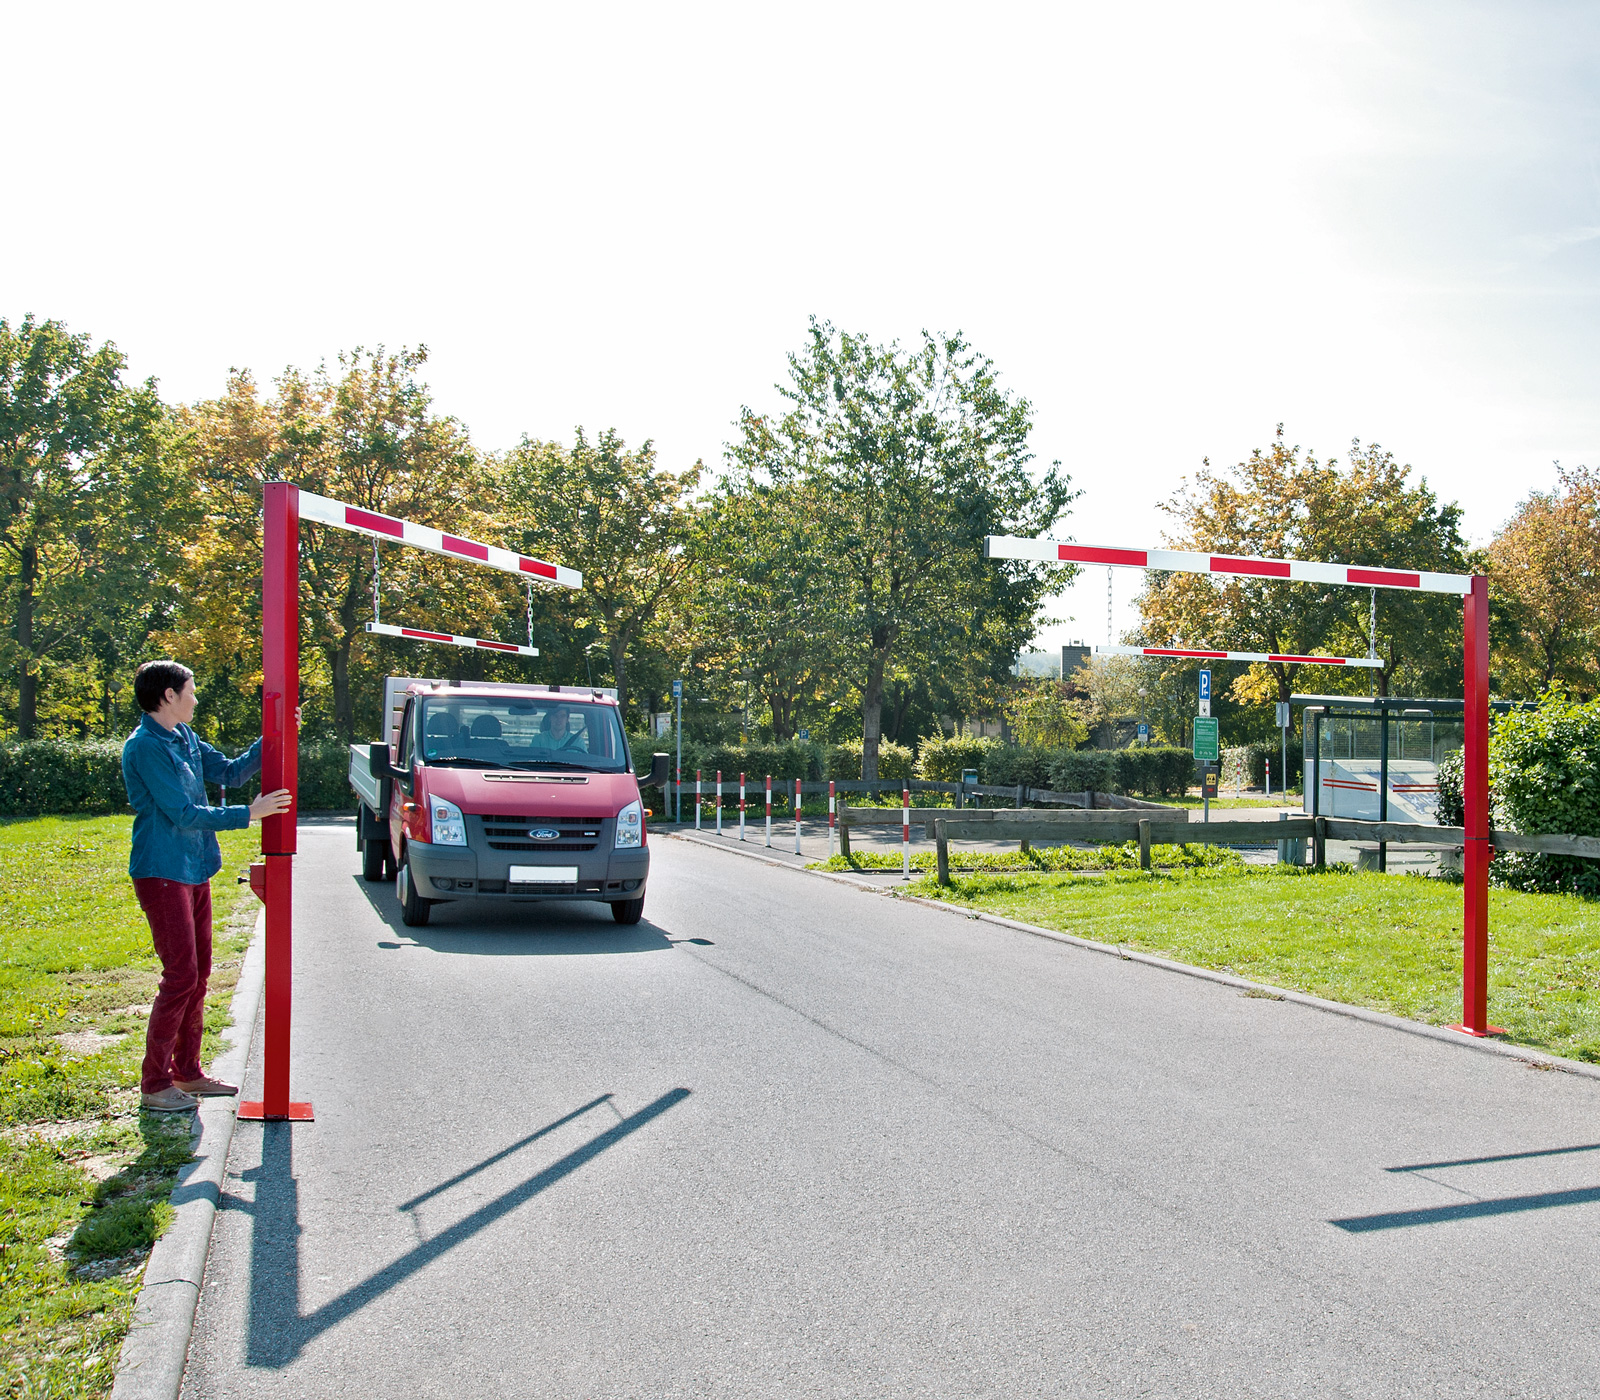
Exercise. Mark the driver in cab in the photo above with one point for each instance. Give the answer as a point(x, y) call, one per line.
point(559, 734)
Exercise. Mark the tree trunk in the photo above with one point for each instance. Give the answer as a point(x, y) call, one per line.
point(28, 682)
point(872, 714)
point(339, 667)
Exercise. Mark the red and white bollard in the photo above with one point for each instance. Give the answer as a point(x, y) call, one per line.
point(905, 832)
point(769, 810)
point(741, 806)
point(719, 802)
point(797, 816)
point(697, 799)
point(833, 818)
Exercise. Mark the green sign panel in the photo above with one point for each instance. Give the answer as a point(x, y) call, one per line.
point(1205, 739)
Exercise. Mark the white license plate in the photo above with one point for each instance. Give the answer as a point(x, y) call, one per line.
point(544, 875)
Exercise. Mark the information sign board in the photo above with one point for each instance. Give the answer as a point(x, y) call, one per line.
point(1205, 739)
point(1284, 722)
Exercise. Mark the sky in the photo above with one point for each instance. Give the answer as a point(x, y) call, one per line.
point(1171, 227)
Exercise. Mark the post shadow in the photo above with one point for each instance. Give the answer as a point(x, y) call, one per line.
point(278, 1332)
point(1467, 1210)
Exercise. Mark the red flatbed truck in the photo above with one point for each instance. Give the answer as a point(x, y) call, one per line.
point(498, 792)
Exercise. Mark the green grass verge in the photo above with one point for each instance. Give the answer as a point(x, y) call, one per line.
point(1388, 942)
point(1123, 857)
point(84, 1175)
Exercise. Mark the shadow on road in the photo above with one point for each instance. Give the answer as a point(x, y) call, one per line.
point(278, 1331)
point(536, 929)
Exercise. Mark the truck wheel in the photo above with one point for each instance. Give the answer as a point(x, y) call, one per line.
point(627, 911)
point(374, 859)
point(413, 908)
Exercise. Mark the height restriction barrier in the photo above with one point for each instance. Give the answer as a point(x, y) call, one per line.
point(1472, 588)
point(285, 505)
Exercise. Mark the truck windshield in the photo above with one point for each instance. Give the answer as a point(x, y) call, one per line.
point(489, 731)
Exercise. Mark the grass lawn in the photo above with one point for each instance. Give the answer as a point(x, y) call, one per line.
point(1123, 857)
point(1389, 942)
point(84, 1175)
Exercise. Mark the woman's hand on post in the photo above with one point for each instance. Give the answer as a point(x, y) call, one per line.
point(271, 804)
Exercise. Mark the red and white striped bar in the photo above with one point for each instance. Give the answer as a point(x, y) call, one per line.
point(1227, 565)
point(1191, 654)
point(386, 527)
point(418, 634)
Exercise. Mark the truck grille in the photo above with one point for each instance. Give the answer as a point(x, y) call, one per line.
point(510, 833)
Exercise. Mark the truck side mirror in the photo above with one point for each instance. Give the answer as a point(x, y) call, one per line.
point(378, 764)
point(659, 770)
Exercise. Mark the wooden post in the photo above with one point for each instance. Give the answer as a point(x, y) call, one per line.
point(1021, 788)
point(941, 850)
point(1144, 844)
point(1319, 844)
point(844, 830)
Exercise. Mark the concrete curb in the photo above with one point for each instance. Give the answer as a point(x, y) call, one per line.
point(1525, 1054)
point(156, 1348)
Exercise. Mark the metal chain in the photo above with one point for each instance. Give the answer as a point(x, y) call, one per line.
point(375, 576)
point(530, 614)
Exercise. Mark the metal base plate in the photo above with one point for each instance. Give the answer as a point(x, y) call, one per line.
point(1487, 1030)
point(256, 1111)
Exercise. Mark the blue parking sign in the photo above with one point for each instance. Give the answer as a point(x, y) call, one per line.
point(1205, 685)
point(677, 690)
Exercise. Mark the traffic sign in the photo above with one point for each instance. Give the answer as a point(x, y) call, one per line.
point(1284, 722)
point(1205, 683)
point(1205, 739)
point(1144, 733)
point(677, 690)
point(805, 734)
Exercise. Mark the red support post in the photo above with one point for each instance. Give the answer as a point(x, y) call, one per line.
point(1475, 791)
point(280, 750)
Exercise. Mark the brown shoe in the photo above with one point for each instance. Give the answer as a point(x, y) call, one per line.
point(206, 1087)
point(172, 1099)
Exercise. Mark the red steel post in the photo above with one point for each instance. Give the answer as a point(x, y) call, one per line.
point(280, 748)
point(1475, 791)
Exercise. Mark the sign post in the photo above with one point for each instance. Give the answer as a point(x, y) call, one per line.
point(1284, 723)
point(677, 728)
point(1207, 752)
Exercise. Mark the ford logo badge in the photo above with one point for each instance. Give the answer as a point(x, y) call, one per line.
point(545, 833)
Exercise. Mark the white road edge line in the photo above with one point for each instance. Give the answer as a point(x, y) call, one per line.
point(156, 1349)
point(1526, 1055)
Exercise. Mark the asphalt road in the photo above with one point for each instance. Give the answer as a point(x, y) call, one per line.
point(789, 1139)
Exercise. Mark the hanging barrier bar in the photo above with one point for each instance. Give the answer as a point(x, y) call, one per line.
point(1473, 588)
point(1192, 654)
point(418, 634)
point(1185, 562)
point(385, 527)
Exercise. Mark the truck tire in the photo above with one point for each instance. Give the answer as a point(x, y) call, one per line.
point(627, 911)
point(413, 908)
point(374, 859)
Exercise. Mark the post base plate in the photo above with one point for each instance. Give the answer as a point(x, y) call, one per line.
point(253, 1110)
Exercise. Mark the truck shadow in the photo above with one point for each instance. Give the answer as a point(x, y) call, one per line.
point(535, 929)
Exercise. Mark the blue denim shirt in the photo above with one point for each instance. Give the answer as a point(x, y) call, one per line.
point(174, 830)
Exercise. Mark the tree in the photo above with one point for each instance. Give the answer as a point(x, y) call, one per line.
point(1545, 563)
point(1045, 714)
point(907, 460)
point(75, 455)
point(613, 514)
point(367, 436)
point(1280, 505)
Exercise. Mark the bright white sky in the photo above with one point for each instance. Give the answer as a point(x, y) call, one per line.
point(1171, 226)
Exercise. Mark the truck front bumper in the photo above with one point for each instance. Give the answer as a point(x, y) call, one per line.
point(460, 872)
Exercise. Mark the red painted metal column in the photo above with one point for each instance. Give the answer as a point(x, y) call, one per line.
point(1475, 791)
point(280, 762)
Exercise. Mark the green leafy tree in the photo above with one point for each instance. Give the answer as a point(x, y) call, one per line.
point(83, 502)
point(907, 459)
point(614, 514)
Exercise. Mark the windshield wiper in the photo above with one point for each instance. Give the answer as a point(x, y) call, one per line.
point(468, 762)
point(555, 763)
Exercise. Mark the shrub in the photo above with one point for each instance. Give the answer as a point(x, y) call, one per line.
point(1544, 773)
point(797, 758)
point(1155, 772)
point(43, 776)
point(942, 760)
point(1009, 764)
point(324, 777)
point(894, 760)
point(1452, 808)
point(1078, 770)
point(1257, 756)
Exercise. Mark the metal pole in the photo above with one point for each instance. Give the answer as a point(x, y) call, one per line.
point(1383, 780)
point(677, 807)
point(280, 746)
point(905, 833)
point(1475, 791)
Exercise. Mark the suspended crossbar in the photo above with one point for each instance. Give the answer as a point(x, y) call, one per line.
point(1188, 654)
point(386, 527)
point(1184, 562)
point(417, 634)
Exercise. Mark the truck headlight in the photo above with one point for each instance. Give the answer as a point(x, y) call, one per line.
point(449, 826)
point(630, 825)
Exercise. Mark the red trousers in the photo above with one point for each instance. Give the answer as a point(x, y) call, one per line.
point(180, 925)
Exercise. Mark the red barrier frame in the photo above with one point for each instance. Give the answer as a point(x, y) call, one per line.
point(1474, 589)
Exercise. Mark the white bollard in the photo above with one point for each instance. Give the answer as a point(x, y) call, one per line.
point(741, 806)
point(697, 799)
point(719, 802)
point(797, 816)
point(769, 811)
point(833, 818)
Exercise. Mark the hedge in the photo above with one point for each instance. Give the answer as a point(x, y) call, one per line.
point(1544, 776)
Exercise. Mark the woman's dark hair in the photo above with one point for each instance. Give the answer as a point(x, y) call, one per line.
point(154, 679)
